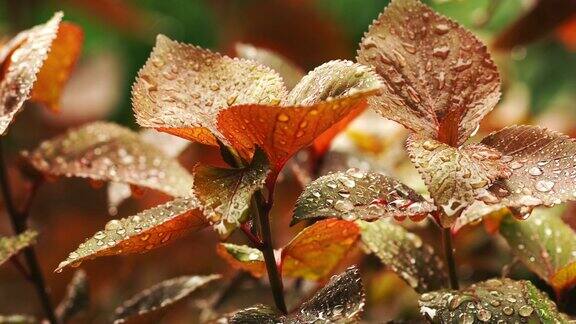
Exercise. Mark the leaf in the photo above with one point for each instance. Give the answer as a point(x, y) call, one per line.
point(160, 296)
point(257, 314)
point(10, 246)
point(142, 232)
point(243, 257)
point(479, 211)
point(109, 152)
point(545, 244)
point(22, 58)
point(181, 89)
point(440, 80)
point(491, 301)
point(405, 254)
point(225, 194)
point(318, 249)
point(58, 66)
point(456, 177)
point(543, 165)
point(321, 99)
point(289, 71)
point(17, 319)
point(77, 297)
point(356, 194)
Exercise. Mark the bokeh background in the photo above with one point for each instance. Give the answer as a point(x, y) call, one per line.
point(533, 42)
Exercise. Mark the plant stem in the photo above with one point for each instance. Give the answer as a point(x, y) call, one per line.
point(449, 254)
point(18, 220)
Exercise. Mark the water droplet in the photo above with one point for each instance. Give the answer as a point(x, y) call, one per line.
point(508, 310)
point(544, 185)
point(441, 52)
point(483, 315)
point(283, 118)
point(343, 206)
point(535, 171)
point(441, 28)
point(525, 310)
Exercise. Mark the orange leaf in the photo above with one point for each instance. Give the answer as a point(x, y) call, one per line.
point(57, 68)
point(564, 278)
point(243, 257)
point(322, 143)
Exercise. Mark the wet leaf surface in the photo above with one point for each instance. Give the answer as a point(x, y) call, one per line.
point(493, 301)
point(22, 58)
point(181, 89)
point(543, 165)
point(17, 319)
point(440, 80)
point(77, 298)
point(405, 254)
point(109, 152)
point(545, 244)
point(355, 194)
point(160, 296)
point(243, 257)
point(11, 245)
point(456, 177)
point(318, 249)
point(142, 232)
point(225, 194)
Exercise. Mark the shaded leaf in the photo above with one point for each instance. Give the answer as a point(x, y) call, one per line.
point(440, 80)
point(545, 244)
point(160, 296)
point(455, 177)
point(22, 58)
point(405, 254)
point(289, 72)
point(543, 165)
point(491, 301)
point(257, 314)
point(225, 194)
point(58, 67)
point(17, 319)
point(243, 257)
point(109, 152)
point(318, 249)
point(181, 89)
point(10, 246)
point(356, 194)
point(142, 232)
point(77, 297)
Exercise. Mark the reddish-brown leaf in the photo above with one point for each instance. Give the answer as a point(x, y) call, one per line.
point(243, 257)
point(440, 80)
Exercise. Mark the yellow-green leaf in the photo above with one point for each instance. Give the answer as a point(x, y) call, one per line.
point(243, 257)
point(10, 246)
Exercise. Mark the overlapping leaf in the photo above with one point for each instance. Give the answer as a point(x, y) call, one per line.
point(77, 297)
point(545, 244)
point(440, 80)
point(181, 89)
point(160, 296)
point(543, 165)
point(108, 152)
point(456, 177)
point(355, 194)
point(142, 232)
point(243, 257)
point(404, 253)
point(225, 194)
point(10, 246)
point(340, 301)
point(493, 301)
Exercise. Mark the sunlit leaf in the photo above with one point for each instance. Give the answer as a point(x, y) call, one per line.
point(543, 165)
point(322, 143)
point(181, 89)
point(160, 296)
point(355, 194)
point(319, 248)
point(17, 319)
point(456, 177)
point(10, 246)
point(109, 152)
point(289, 72)
point(243, 257)
point(479, 211)
point(545, 244)
point(142, 232)
point(493, 301)
point(225, 194)
point(321, 99)
point(257, 314)
point(77, 297)
point(405, 254)
point(57, 68)
point(21, 59)
point(440, 80)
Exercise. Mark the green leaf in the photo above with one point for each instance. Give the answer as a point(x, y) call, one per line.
point(77, 298)
point(545, 244)
point(160, 296)
point(355, 194)
point(225, 194)
point(494, 301)
point(10, 246)
point(243, 257)
point(405, 254)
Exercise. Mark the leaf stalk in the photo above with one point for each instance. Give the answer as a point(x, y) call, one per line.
point(449, 255)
